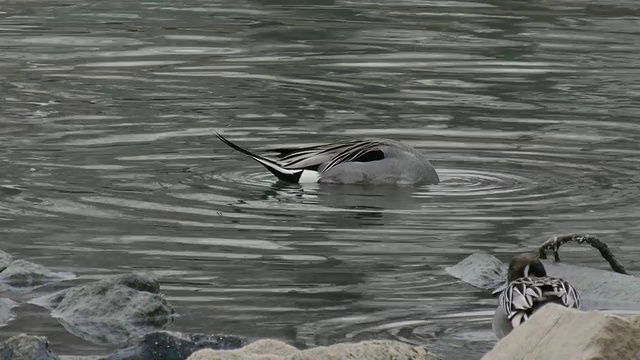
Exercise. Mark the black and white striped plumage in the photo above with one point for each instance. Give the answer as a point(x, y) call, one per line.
point(524, 296)
point(372, 161)
point(330, 155)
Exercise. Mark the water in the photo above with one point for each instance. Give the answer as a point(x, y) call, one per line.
point(109, 163)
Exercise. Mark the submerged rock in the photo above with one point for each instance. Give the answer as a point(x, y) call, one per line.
point(111, 311)
point(173, 346)
point(25, 347)
point(22, 275)
point(276, 350)
point(6, 314)
point(557, 332)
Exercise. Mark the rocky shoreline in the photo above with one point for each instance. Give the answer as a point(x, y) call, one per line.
point(130, 310)
point(555, 332)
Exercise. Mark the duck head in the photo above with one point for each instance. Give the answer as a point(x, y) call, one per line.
point(525, 265)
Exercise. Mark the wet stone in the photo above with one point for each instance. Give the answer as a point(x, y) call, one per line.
point(26, 347)
point(5, 260)
point(6, 314)
point(111, 311)
point(174, 346)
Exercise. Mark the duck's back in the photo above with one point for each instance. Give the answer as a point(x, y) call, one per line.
point(396, 164)
point(524, 296)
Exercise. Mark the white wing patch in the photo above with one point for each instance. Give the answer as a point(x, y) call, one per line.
point(309, 176)
point(525, 295)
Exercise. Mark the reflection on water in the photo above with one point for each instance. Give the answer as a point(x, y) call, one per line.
point(108, 110)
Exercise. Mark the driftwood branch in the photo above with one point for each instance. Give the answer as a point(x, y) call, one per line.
point(554, 243)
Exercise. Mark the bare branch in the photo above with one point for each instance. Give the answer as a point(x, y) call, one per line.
point(554, 243)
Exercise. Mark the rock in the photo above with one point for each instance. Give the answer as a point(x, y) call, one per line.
point(173, 346)
point(25, 347)
point(139, 281)
point(599, 289)
point(6, 314)
point(266, 349)
point(276, 350)
point(556, 332)
point(366, 350)
point(22, 275)
point(111, 311)
point(480, 270)
point(5, 260)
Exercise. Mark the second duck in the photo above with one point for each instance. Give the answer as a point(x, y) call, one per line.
point(529, 289)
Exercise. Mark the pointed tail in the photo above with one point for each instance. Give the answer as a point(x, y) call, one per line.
point(292, 176)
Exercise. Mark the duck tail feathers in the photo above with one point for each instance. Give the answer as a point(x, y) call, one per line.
point(288, 175)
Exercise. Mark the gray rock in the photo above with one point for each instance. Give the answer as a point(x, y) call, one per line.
point(6, 314)
point(111, 311)
point(138, 281)
point(25, 275)
point(483, 271)
point(174, 346)
point(25, 347)
point(5, 260)
point(599, 289)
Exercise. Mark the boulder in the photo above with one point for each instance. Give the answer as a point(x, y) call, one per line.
point(269, 349)
point(6, 314)
point(5, 260)
point(22, 275)
point(111, 311)
point(480, 270)
point(556, 332)
point(599, 289)
point(25, 347)
point(173, 346)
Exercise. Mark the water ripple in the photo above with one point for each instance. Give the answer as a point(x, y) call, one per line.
point(110, 163)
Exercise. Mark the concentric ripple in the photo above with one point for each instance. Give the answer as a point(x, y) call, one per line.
point(476, 183)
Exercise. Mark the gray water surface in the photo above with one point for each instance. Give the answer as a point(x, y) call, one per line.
point(108, 162)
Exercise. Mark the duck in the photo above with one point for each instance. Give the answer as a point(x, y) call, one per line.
point(528, 289)
point(355, 161)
